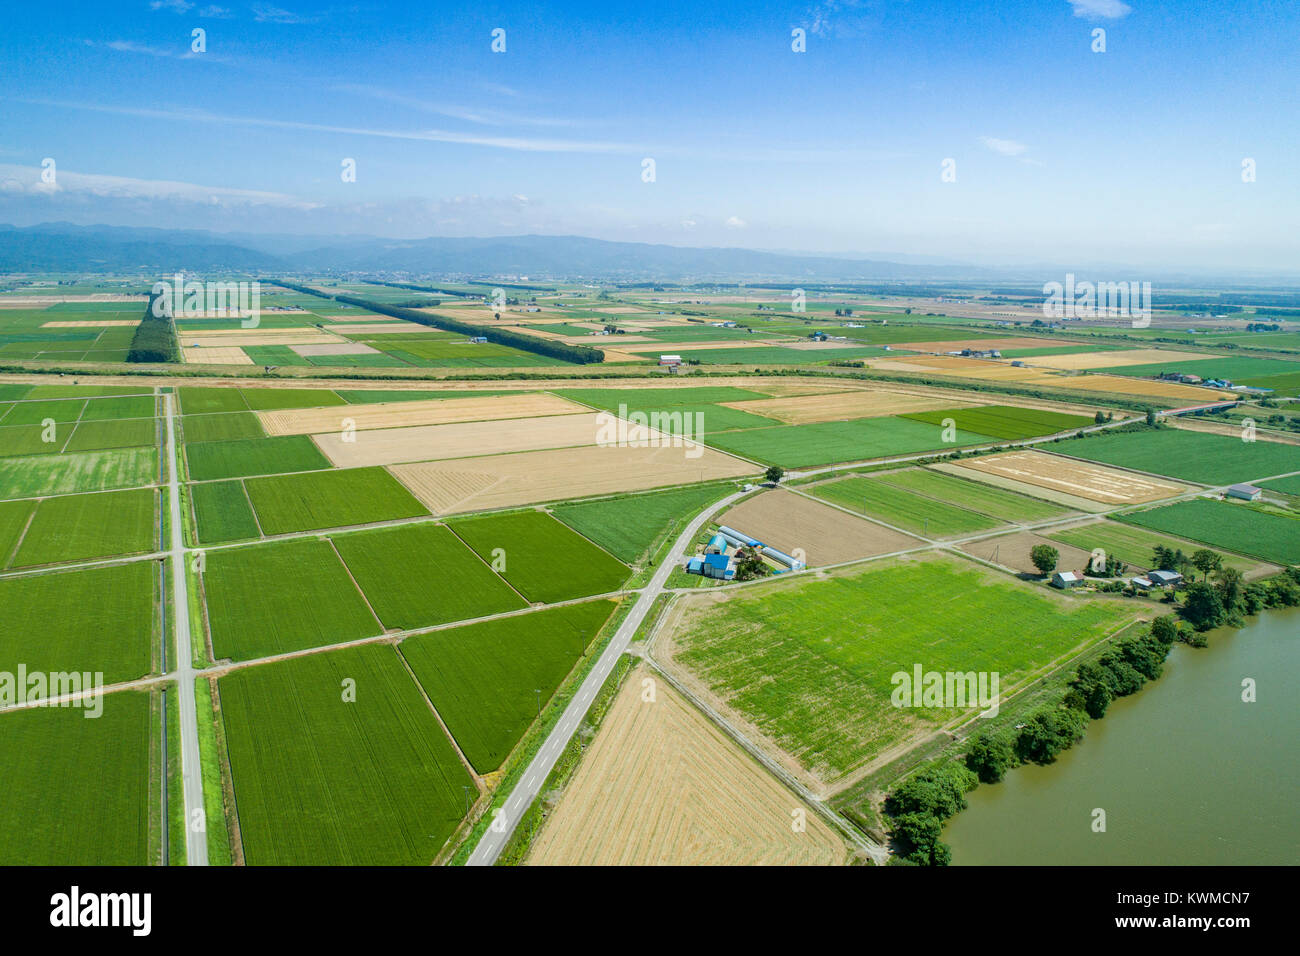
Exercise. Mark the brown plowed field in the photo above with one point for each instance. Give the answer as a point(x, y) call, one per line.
point(840, 406)
point(826, 535)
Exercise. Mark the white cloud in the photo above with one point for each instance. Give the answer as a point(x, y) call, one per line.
point(26, 180)
point(1007, 147)
point(176, 6)
point(265, 13)
point(483, 117)
point(1100, 9)
point(735, 222)
point(688, 224)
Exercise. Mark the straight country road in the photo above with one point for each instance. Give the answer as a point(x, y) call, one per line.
point(183, 663)
point(496, 836)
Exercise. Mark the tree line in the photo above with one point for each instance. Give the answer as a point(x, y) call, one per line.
point(155, 336)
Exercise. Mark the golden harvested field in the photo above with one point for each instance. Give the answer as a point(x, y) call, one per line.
point(1012, 551)
point(390, 446)
point(365, 318)
point(233, 355)
point(229, 337)
point(433, 411)
point(1122, 385)
point(335, 348)
point(501, 481)
point(669, 346)
point(91, 324)
point(954, 345)
point(378, 328)
point(1083, 479)
point(788, 521)
point(1087, 360)
point(660, 785)
point(838, 406)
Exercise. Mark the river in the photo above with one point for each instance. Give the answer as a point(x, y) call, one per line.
point(1186, 772)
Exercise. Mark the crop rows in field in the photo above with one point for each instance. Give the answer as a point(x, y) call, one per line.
point(1192, 456)
point(1236, 527)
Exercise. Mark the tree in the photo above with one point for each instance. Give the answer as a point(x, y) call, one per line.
point(1044, 557)
point(1099, 418)
point(774, 474)
point(1202, 607)
point(990, 756)
point(1231, 587)
point(1205, 561)
point(750, 566)
point(1151, 416)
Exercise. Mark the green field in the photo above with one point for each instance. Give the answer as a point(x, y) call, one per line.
point(56, 622)
point(222, 512)
point(1192, 456)
point(629, 527)
point(1288, 486)
point(824, 443)
point(270, 598)
point(273, 399)
point(418, 575)
point(322, 781)
point(68, 474)
point(902, 509)
point(809, 662)
point(986, 499)
point(78, 790)
point(484, 678)
point(197, 401)
point(253, 456)
point(1135, 546)
point(136, 406)
point(330, 499)
point(124, 433)
point(82, 527)
point(1004, 421)
point(14, 516)
point(543, 560)
point(221, 427)
point(1235, 527)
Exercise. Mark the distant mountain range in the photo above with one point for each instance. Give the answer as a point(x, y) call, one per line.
point(63, 247)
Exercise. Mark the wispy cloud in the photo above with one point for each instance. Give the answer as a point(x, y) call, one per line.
point(484, 117)
point(844, 18)
point(735, 222)
point(1100, 9)
point(1007, 147)
point(517, 143)
point(175, 6)
point(26, 180)
point(265, 13)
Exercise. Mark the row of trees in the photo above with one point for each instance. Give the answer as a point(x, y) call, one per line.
point(578, 354)
point(155, 337)
point(918, 807)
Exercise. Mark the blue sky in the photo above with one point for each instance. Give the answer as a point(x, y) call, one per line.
point(1131, 156)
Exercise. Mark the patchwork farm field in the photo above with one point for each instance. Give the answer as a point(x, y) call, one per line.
point(1065, 480)
point(824, 443)
point(82, 527)
point(484, 679)
point(1003, 421)
point(284, 596)
point(68, 778)
point(419, 575)
point(807, 663)
point(986, 499)
point(661, 785)
point(1192, 456)
point(329, 499)
point(540, 557)
point(631, 526)
point(253, 456)
point(1135, 545)
point(901, 508)
point(320, 780)
point(790, 522)
point(55, 621)
point(1235, 527)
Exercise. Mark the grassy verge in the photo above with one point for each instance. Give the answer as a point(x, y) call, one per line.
point(175, 781)
point(211, 746)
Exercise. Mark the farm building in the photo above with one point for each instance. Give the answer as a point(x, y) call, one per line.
point(479, 340)
point(670, 360)
point(1066, 579)
point(1164, 578)
point(717, 545)
point(718, 566)
point(1245, 492)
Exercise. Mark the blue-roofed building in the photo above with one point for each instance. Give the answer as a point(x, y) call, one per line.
point(719, 566)
point(717, 545)
point(695, 565)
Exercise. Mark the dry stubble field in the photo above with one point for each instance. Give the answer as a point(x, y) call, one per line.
point(1097, 483)
point(660, 785)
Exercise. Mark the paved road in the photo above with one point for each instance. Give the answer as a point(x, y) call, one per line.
point(183, 664)
point(530, 784)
